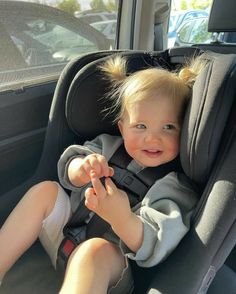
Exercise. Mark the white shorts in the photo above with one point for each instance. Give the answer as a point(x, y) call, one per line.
point(51, 233)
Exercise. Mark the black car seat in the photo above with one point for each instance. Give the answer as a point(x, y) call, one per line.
point(208, 149)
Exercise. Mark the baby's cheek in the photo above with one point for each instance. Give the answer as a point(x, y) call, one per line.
point(130, 147)
point(174, 147)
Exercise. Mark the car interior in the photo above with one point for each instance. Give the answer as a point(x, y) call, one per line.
point(205, 260)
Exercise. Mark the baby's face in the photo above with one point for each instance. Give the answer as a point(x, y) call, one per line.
point(151, 130)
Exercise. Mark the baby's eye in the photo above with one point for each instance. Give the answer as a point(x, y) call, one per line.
point(140, 126)
point(169, 127)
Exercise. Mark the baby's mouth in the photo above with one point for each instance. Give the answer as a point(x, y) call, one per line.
point(152, 152)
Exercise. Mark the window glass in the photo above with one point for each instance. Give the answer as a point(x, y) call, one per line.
point(191, 26)
point(39, 37)
point(185, 32)
point(199, 32)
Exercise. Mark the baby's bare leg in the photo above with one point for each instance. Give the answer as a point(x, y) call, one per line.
point(23, 225)
point(94, 266)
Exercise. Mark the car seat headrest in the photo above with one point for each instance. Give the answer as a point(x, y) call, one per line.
point(206, 117)
point(222, 16)
point(86, 98)
point(84, 103)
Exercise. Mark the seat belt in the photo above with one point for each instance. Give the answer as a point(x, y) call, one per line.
point(83, 226)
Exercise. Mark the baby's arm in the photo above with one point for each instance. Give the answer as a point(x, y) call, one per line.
point(112, 204)
point(165, 213)
point(79, 169)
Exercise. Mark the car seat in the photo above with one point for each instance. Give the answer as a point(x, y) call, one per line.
point(208, 147)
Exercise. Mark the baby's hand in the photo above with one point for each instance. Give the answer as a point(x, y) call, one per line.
point(98, 164)
point(109, 202)
point(80, 168)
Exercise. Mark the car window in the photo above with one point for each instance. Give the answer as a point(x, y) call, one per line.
point(185, 32)
point(39, 39)
point(107, 28)
point(189, 28)
point(199, 33)
point(173, 21)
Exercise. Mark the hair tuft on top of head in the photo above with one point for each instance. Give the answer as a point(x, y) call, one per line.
point(115, 69)
point(191, 70)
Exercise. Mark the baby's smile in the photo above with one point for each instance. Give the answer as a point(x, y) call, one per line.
point(152, 152)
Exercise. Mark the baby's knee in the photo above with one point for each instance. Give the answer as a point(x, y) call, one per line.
point(96, 245)
point(45, 191)
point(101, 255)
point(47, 186)
point(95, 248)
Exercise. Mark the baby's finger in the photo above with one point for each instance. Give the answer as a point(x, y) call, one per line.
point(83, 174)
point(110, 186)
point(98, 187)
point(104, 166)
point(87, 167)
point(95, 164)
point(89, 192)
point(91, 201)
point(111, 172)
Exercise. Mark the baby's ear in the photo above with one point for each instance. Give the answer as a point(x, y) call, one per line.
point(120, 126)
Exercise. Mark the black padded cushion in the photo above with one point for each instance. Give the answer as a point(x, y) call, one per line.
point(207, 115)
point(84, 103)
point(222, 16)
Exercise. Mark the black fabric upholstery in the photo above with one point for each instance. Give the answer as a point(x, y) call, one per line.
point(212, 99)
point(222, 16)
point(225, 282)
point(59, 135)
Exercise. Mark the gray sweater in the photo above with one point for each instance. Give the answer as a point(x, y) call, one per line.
point(165, 210)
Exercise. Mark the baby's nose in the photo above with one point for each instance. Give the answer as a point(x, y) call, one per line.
point(153, 137)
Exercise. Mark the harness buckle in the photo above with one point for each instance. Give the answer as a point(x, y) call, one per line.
point(73, 237)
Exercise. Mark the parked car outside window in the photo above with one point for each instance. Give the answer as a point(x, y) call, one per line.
point(39, 40)
point(107, 28)
point(193, 31)
point(179, 17)
point(95, 16)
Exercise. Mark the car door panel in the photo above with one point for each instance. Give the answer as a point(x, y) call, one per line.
point(23, 121)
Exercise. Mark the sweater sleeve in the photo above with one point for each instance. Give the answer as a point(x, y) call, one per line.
point(165, 212)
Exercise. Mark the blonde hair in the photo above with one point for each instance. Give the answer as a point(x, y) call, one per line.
point(146, 83)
